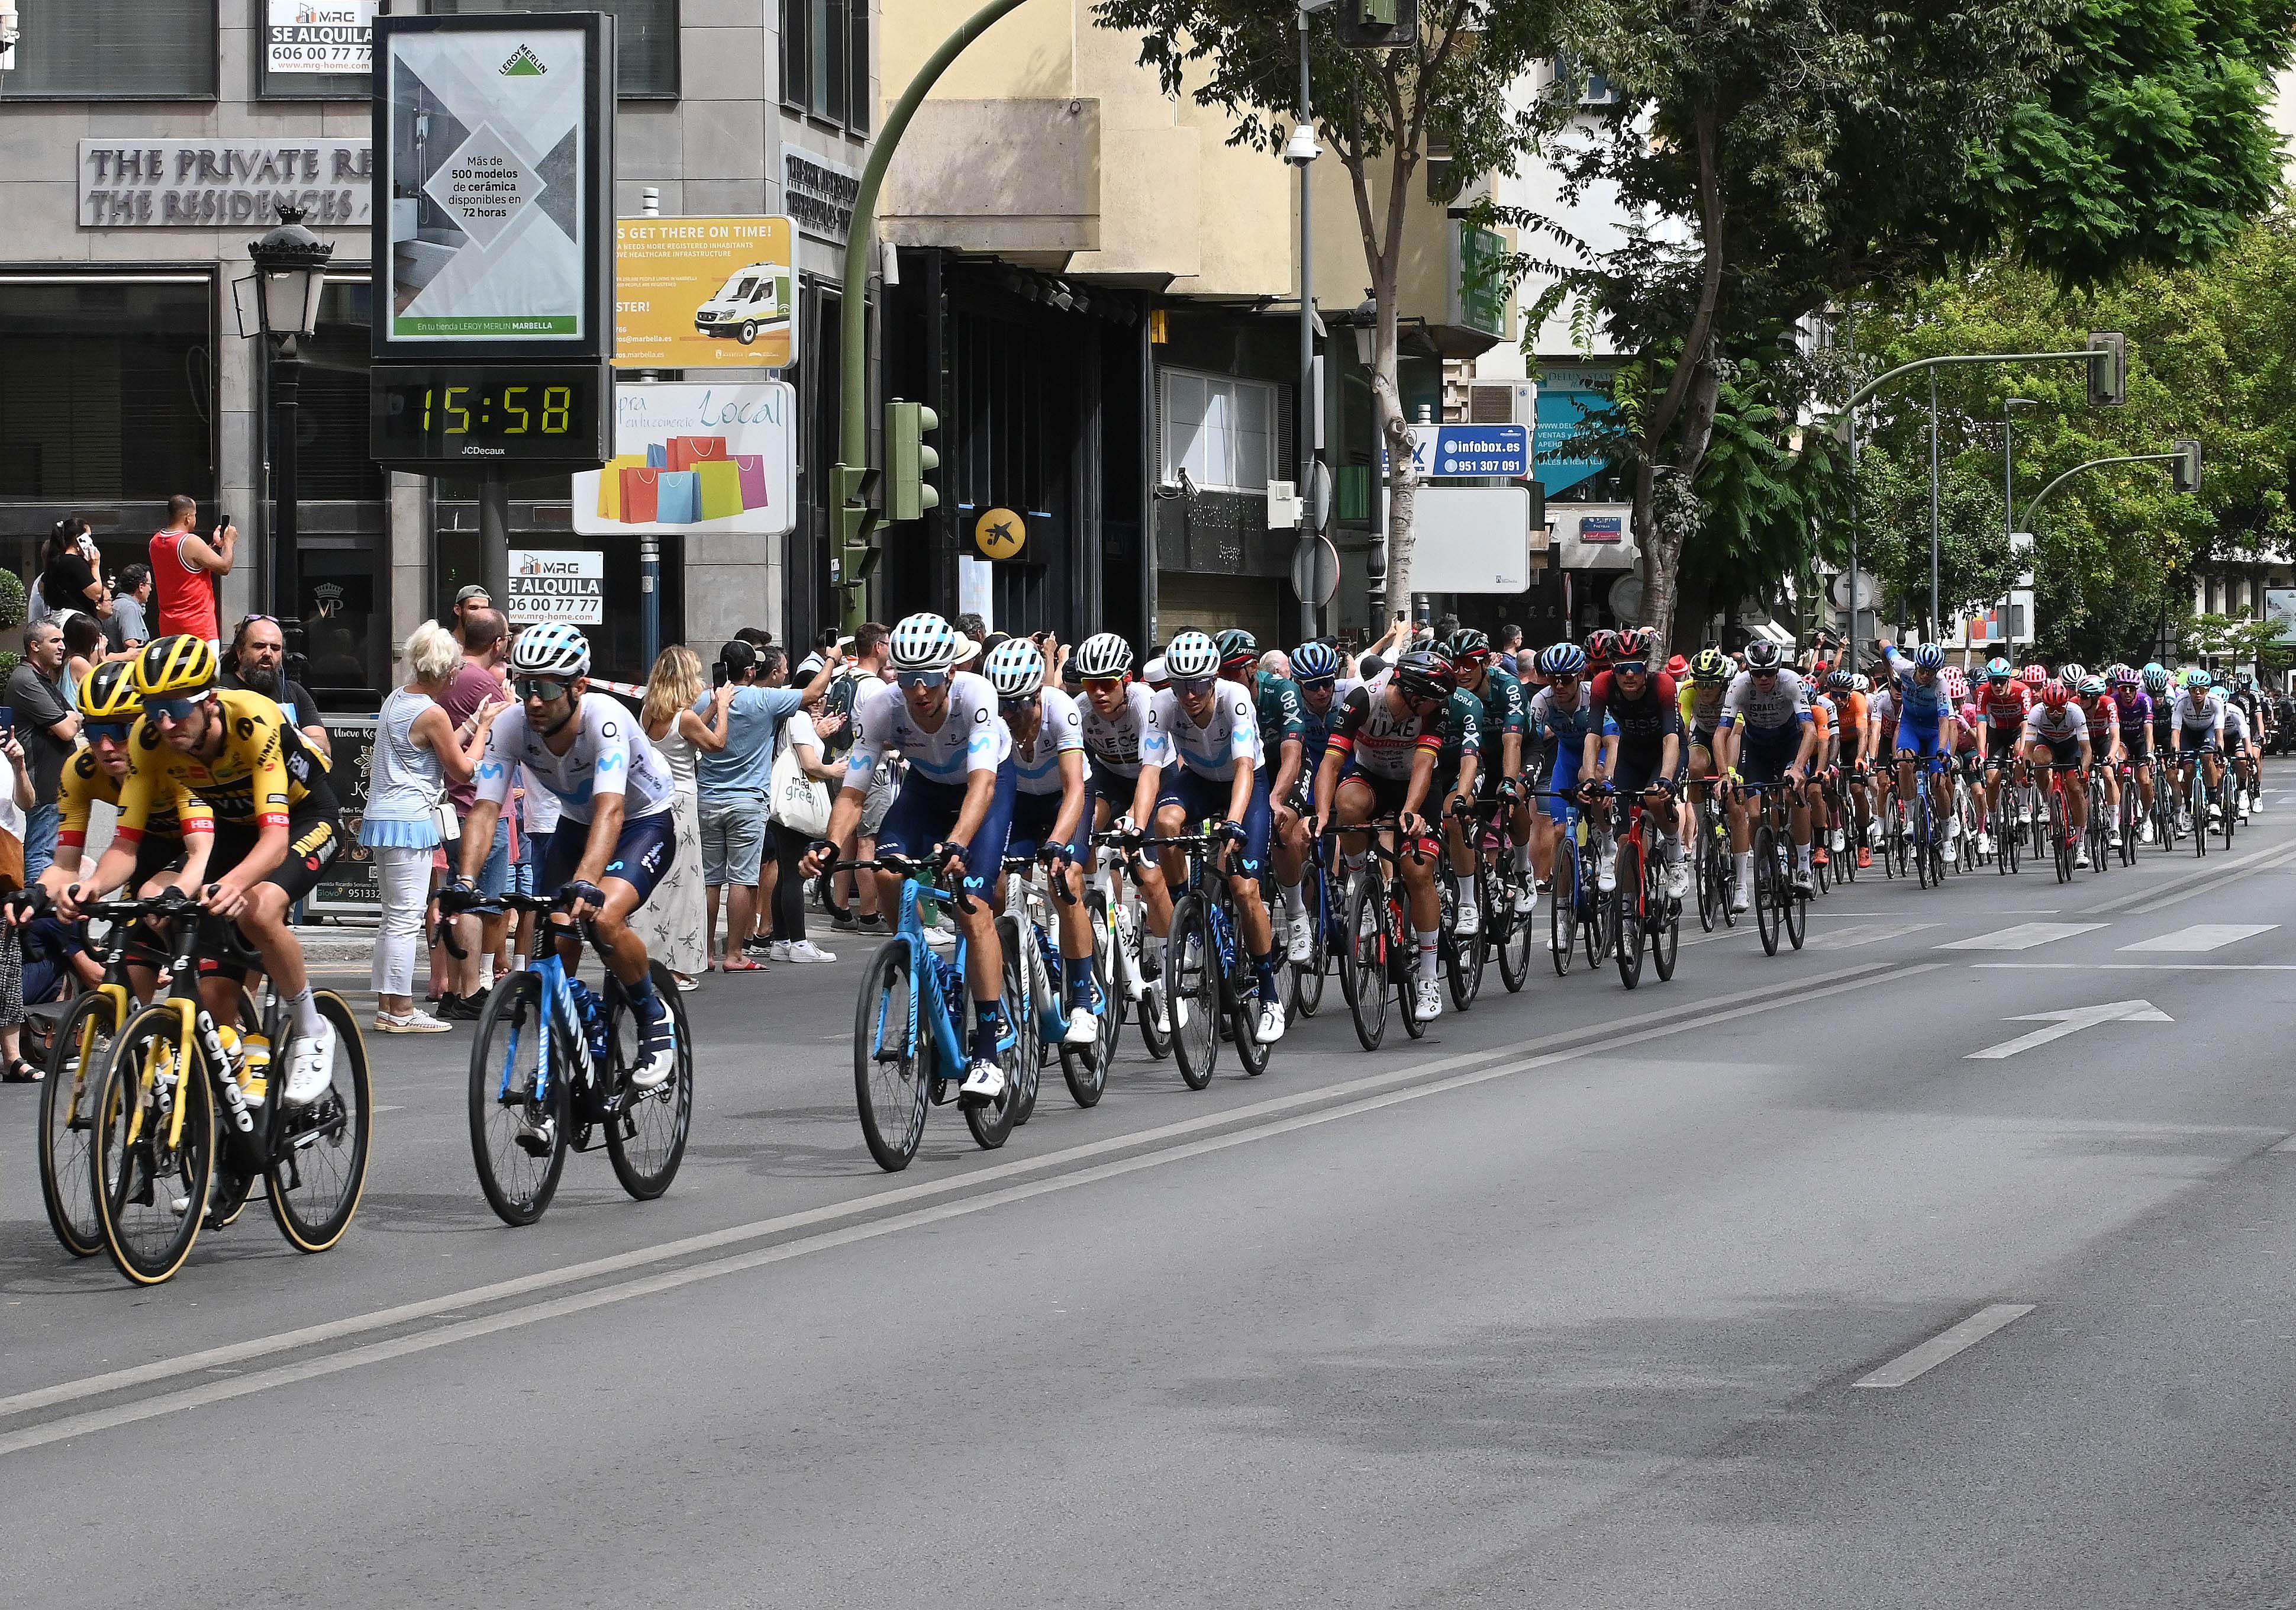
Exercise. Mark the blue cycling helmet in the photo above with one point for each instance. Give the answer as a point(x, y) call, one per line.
point(1315, 663)
point(1562, 660)
point(2156, 678)
point(2196, 678)
point(1929, 657)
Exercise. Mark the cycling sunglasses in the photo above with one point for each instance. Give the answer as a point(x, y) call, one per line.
point(1016, 703)
point(1193, 685)
point(110, 732)
point(1560, 679)
point(1103, 684)
point(1629, 667)
point(548, 689)
point(1315, 685)
point(908, 679)
point(1763, 673)
point(174, 710)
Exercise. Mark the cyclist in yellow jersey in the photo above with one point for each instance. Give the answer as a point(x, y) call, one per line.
point(276, 826)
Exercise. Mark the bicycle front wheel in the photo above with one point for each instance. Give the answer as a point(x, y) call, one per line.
point(1627, 901)
point(1562, 907)
point(1767, 877)
point(645, 1139)
point(317, 1167)
point(892, 1058)
point(83, 1045)
point(991, 1121)
point(153, 1150)
point(1025, 968)
point(1192, 972)
point(1367, 942)
point(518, 1142)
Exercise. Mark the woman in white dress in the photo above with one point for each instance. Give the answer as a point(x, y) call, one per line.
point(670, 922)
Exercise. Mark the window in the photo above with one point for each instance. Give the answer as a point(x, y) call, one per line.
point(825, 60)
point(646, 37)
point(106, 387)
point(1222, 432)
point(114, 50)
point(331, 405)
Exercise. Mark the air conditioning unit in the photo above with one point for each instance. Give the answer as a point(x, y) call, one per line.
point(1501, 402)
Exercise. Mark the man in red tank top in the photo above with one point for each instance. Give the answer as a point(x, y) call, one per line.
point(184, 570)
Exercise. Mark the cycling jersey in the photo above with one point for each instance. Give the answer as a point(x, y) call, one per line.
point(1782, 704)
point(2132, 709)
point(1377, 741)
point(1924, 706)
point(1315, 730)
point(2205, 713)
point(611, 755)
point(2055, 727)
point(970, 737)
point(1883, 704)
point(1701, 703)
point(1966, 739)
point(1463, 735)
point(1277, 702)
point(1567, 724)
point(2099, 716)
point(172, 815)
point(2002, 704)
point(1230, 734)
point(1037, 767)
point(2235, 724)
point(264, 771)
point(1113, 741)
point(1822, 716)
point(1643, 723)
point(1504, 708)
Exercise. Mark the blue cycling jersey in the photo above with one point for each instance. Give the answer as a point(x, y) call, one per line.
point(1924, 706)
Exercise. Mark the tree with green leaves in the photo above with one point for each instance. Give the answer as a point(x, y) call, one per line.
point(1381, 113)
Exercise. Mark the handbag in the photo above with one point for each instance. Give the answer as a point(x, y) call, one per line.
point(443, 817)
point(751, 469)
point(679, 501)
point(641, 494)
point(721, 489)
point(799, 803)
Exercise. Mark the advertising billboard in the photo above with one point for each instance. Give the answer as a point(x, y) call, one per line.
point(703, 293)
point(691, 460)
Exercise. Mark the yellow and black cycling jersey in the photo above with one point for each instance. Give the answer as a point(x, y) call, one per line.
point(175, 809)
point(264, 771)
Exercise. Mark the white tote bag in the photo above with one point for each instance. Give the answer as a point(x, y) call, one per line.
point(799, 803)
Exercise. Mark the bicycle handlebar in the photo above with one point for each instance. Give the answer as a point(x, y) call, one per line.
point(914, 871)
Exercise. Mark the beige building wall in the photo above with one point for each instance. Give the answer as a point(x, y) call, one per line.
point(1423, 285)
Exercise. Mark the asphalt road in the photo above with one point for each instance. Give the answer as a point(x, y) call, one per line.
point(1569, 1304)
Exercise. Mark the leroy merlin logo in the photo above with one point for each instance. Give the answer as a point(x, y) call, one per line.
point(523, 65)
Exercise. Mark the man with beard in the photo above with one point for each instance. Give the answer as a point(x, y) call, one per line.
point(258, 656)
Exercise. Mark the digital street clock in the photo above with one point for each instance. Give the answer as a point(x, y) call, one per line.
point(553, 415)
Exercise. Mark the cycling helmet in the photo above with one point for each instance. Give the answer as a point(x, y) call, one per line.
point(2156, 678)
point(2121, 675)
point(2072, 674)
point(1239, 650)
point(1956, 686)
point(2092, 687)
point(1015, 668)
point(1635, 643)
point(1710, 665)
point(1466, 644)
point(2195, 679)
point(1839, 682)
point(2034, 675)
point(1315, 663)
point(1762, 654)
point(1997, 670)
point(1103, 654)
point(1192, 655)
point(1929, 656)
point(1861, 683)
point(170, 668)
point(923, 642)
point(1562, 660)
point(109, 694)
point(1601, 646)
point(1423, 674)
point(2055, 695)
point(552, 649)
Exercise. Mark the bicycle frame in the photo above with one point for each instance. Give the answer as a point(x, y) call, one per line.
point(948, 977)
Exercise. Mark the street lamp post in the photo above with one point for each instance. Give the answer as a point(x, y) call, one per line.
point(282, 297)
point(2009, 407)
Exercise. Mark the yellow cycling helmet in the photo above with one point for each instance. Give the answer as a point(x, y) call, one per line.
point(109, 694)
point(1710, 665)
point(173, 668)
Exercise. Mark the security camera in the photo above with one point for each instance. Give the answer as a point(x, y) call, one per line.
point(1303, 148)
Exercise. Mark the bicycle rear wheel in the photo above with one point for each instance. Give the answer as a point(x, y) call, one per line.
point(1368, 941)
point(992, 1121)
point(76, 1062)
point(153, 1150)
point(1513, 943)
point(646, 1139)
point(1627, 901)
point(1308, 977)
point(1793, 909)
point(1665, 927)
point(1024, 966)
point(1463, 961)
point(1242, 992)
point(519, 1177)
point(319, 1153)
point(1192, 987)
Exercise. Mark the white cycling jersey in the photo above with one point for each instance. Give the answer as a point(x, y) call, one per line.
point(2203, 713)
point(1113, 741)
point(2235, 724)
point(2046, 726)
point(970, 738)
point(1231, 734)
point(1783, 703)
point(1037, 767)
point(1881, 704)
point(611, 755)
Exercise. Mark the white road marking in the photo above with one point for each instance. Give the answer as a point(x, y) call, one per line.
point(2287, 1148)
point(1602, 1039)
point(2204, 936)
point(1850, 938)
point(2211, 875)
point(2024, 936)
point(1920, 1361)
point(2070, 1020)
point(2143, 966)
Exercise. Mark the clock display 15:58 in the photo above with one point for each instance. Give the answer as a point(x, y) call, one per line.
point(459, 413)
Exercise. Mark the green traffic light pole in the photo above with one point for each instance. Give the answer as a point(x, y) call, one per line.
point(856, 522)
point(2095, 464)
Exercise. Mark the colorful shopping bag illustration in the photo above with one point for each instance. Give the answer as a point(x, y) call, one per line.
point(658, 455)
point(641, 494)
point(680, 501)
point(687, 451)
point(721, 489)
point(609, 484)
point(752, 468)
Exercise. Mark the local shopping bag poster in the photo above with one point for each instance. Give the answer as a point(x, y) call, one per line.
point(695, 459)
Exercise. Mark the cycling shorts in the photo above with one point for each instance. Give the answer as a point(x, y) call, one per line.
point(2137, 741)
point(314, 837)
point(1206, 799)
point(2063, 752)
point(643, 854)
point(1387, 793)
point(1564, 812)
point(925, 814)
point(154, 857)
point(1919, 739)
point(1034, 817)
point(2001, 742)
point(1766, 752)
point(1636, 769)
point(2202, 741)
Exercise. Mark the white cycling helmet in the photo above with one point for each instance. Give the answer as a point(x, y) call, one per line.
point(1103, 654)
point(1192, 655)
point(1015, 668)
point(924, 642)
point(552, 649)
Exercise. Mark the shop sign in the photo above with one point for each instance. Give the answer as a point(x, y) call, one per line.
point(1468, 450)
point(556, 584)
point(1000, 533)
point(819, 194)
point(1602, 528)
point(1478, 294)
point(352, 884)
point(212, 183)
point(702, 293)
point(1573, 398)
point(695, 460)
point(320, 36)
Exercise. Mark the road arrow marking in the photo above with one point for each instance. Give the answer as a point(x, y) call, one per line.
point(2071, 1021)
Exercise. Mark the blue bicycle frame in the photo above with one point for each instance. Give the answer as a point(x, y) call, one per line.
point(562, 994)
point(945, 997)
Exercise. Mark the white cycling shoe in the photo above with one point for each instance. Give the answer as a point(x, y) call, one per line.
point(1741, 899)
point(984, 1079)
point(1469, 921)
point(1427, 998)
point(1271, 1022)
point(1084, 1027)
point(1677, 881)
point(1606, 874)
point(1299, 938)
point(2080, 858)
point(310, 1067)
point(1985, 843)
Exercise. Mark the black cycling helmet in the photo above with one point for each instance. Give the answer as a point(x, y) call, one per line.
point(1466, 644)
point(1423, 674)
point(1239, 650)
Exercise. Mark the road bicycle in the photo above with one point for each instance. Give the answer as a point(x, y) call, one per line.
point(1577, 913)
point(163, 1164)
point(1030, 931)
point(550, 1071)
point(1464, 956)
point(1714, 870)
point(76, 1061)
point(1502, 894)
point(1926, 843)
point(1323, 944)
point(1381, 957)
point(1644, 916)
point(1780, 907)
point(2008, 841)
point(1124, 922)
point(1207, 975)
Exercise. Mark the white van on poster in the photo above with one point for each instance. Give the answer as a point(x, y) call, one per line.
point(691, 460)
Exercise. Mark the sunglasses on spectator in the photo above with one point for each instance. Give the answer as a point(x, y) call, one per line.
point(548, 689)
point(908, 679)
point(174, 710)
point(106, 732)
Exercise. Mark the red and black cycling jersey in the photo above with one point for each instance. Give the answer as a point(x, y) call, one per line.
point(1367, 731)
point(1642, 723)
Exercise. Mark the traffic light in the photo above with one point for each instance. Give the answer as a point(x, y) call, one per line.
point(1376, 24)
point(857, 521)
point(907, 495)
point(2185, 469)
point(2108, 369)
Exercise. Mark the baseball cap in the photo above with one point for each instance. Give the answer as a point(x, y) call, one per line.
point(472, 591)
